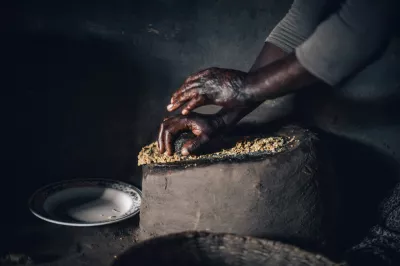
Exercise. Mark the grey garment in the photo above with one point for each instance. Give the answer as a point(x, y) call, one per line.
point(338, 44)
point(299, 23)
point(369, 93)
point(380, 247)
point(334, 43)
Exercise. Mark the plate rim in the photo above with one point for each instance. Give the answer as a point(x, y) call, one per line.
point(50, 220)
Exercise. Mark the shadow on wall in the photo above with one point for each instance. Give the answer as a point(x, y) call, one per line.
point(363, 178)
point(83, 106)
point(77, 107)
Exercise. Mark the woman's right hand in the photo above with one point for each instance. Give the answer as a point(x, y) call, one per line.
point(205, 127)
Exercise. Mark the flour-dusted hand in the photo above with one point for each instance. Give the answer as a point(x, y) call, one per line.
point(203, 126)
point(211, 86)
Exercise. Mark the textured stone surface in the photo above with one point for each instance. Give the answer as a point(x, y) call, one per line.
point(281, 196)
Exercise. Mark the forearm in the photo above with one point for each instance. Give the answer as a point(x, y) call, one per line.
point(268, 54)
point(277, 79)
point(297, 25)
point(341, 44)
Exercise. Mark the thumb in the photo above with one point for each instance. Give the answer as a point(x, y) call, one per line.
point(195, 144)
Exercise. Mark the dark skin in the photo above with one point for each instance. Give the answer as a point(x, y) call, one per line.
point(203, 126)
point(274, 74)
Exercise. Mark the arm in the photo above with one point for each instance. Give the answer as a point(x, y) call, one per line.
point(205, 127)
point(282, 77)
point(297, 25)
point(269, 53)
point(340, 46)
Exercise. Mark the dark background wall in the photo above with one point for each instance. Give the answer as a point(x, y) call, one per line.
point(85, 83)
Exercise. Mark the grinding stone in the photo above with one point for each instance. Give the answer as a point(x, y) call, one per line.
point(284, 196)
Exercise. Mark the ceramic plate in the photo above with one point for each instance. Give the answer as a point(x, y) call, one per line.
point(87, 202)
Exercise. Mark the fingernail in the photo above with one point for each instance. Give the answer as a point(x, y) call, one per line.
point(185, 152)
point(169, 107)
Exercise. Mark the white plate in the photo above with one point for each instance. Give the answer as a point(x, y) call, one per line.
point(86, 202)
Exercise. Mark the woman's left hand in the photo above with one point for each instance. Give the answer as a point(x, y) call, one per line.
point(216, 86)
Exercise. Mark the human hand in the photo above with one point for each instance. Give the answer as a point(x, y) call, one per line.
point(203, 126)
point(211, 86)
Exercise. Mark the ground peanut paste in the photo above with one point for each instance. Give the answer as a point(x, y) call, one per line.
point(270, 145)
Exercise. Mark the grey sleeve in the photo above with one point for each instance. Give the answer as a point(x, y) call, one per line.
point(298, 24)
point(347, 40)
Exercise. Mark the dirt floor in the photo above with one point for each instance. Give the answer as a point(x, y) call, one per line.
point(46, 244)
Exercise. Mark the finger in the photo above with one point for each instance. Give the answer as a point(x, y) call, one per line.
point(193, 77)
point(167, 118)
point(182, 99)
point(168, 140)
point(170, 130)
point(193, 104)
point(183, 89)
point(160, 141)
point(198, 75)
point(191, 82)
point(194, 145)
